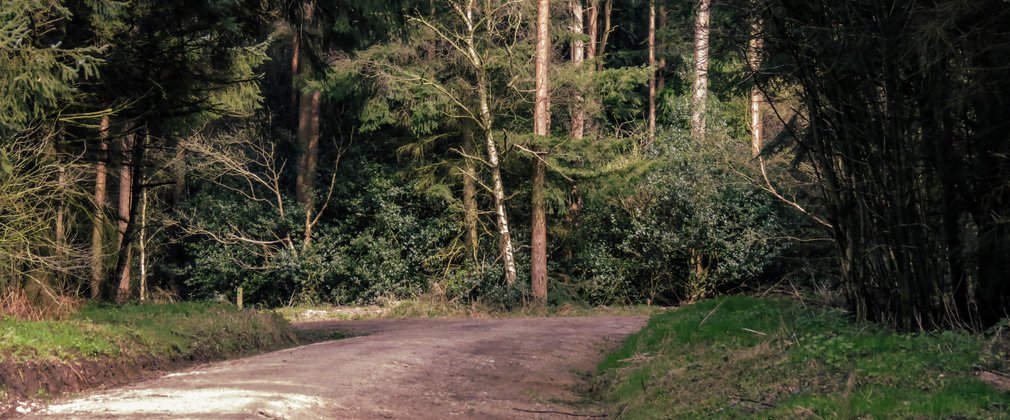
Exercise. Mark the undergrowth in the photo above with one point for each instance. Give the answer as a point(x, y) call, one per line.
point(776, 358)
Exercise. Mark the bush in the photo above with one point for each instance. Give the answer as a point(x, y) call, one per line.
point(375, 246)
point(690, 228)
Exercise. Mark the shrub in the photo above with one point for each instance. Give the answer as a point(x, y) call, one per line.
point(690, 228)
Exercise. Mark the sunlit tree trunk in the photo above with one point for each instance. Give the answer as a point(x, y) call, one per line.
point(142, 244)
point(754, 46)
point(469, 192)
point(651, 137)
point(98, 219)
point(592, 28)
point(608, 9)
point(699, 89)
point(308, 130)
point(541, 128)
point(129, 183)
point(493, 160)
point(578, 56)
point(304, 131)
point(311, 162)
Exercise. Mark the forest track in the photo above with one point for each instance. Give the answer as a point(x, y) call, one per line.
point(403, 368)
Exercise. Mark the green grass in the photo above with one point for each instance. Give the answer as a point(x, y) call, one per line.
point(774, 358)
point(162, 330)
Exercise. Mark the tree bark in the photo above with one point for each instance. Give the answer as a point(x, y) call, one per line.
point(651, 137)
point(304, 139)
point(131, 181)
point(179, 174)
point(311, 162)
point(98, 220)
point(608, 8)
point(61, 211)
point(754, 47)
point(308, 120)
point(296, 46)
point(469, 192)
point(487, 124)
point(578, 125)
point(541, 128)
point(142, 244)
point(661, 60)
point(592, 28)
point(699, 89)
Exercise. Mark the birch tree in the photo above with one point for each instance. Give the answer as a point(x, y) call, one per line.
point(473, 32)
point(754, 47)
point(578, 124)
point(699, 88)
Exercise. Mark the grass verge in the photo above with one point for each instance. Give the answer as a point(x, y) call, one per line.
point(776, 358)
point(106, 344)
point(163, 330)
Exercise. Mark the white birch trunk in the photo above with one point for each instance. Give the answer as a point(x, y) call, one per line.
point(699, 89)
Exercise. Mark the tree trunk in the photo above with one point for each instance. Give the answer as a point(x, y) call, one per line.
point(311, 162)
point(304, 132)
point(125, 196)
point(578, 56)
point(61, 211)
point(179, 174)
point(142, 244)
point(487, 124)
point(296, 46)
point(592, 28)
point(661, 61)
point(129, 195)
point(469, 192)
point(651, 137)
point(608, 8)
point(754, 46)
point(98, 220)
point(308, 119)
point(699, 89)
point(541, 128)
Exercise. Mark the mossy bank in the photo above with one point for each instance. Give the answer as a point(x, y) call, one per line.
point(778, 358)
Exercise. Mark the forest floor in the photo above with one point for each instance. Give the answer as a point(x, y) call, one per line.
point(392, 368)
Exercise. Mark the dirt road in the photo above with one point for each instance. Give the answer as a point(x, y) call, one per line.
point(430, 369)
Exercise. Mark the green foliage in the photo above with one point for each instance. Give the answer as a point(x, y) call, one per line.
point(379, 249)
point(689, 228)
point(38, 73)
point(777, 358)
